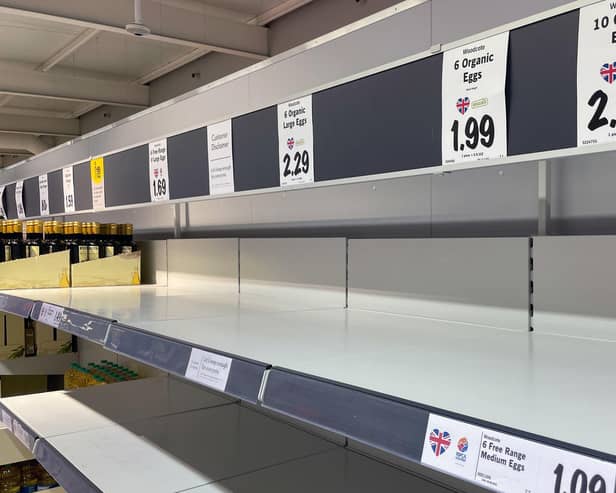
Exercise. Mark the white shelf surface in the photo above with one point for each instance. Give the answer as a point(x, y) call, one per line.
point(525, 381)
point(135, 304)
point(159, 435)
point(51, 414)
point(332, 472)
point(514, 379)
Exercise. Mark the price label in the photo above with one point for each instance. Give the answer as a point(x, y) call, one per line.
point(19, 199)
point(295, 142)
point(474, 106)
point(7, 420)
point(68, 187)
point(220, 157)
point(159, 171)
point(2, 211)
point(596, 74)
point(43, 195)
point(51, 315)
point(22, 435)
point(97, 177)
point(502, 462)
point(209, 369)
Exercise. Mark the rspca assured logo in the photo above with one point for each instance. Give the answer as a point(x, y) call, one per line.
point(462, 448)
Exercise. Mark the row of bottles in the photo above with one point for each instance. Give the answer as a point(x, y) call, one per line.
point(101, 373)
point(25, 477)
point(86, 241)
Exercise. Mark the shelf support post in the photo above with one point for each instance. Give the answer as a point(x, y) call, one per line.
point(543, 197)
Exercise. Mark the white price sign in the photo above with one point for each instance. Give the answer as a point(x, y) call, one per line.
point(2, 211)
point(209, 369)
point(220, 157)
point(596, 74)
point(68, 188)
point(19, 199)
point(501, 462)
point(159, 171)
point(295, 142)
point(43, 195)
point(51, 315)
point(474, 108)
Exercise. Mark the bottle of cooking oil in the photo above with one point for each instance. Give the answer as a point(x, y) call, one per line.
point(29, 477)
point(16, 242)
point(45, 481)
point(34, 239)
point(109, 242)
point(78, 248)
point(2, 241)
point(93, 241)
point(10, 478)
point(127, 245)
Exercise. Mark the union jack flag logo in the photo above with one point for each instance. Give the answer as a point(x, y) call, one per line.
point(608, 72)
point(439, 441)
point(290, 143)
point(463, 105)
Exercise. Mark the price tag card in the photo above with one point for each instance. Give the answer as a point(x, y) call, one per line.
point(68, 187)
point(220, 157)
point(51, 315)
point(2, 211)
point(97, 176)
point(209, 369)
point(159, 171)
point(7, 420)
point(596, 74)
point(44, 195)
point(19, 199)
point(295, 138)
point(502, 462)
point(474, 106)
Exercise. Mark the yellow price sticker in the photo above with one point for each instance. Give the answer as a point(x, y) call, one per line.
point(97, 170)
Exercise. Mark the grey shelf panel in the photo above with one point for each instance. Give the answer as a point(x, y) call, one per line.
point(81, 324)
point(15, 305)
point(245, 376)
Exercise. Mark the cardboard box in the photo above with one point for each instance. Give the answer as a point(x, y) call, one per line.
point(51, 341)
point(13, 339)
point(120, 270)
point(46, 271)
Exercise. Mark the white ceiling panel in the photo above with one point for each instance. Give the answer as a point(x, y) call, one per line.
point(122, 56)
point(45, 104)
point(32, 40)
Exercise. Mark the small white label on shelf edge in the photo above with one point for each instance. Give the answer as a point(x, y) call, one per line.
point(295, 142)
point(7, 420)
point(596, 74)
point(51, 315)
point(209, 369)
point(2, 211)
point(21, 434)
point(474, 114)
point(503, 462)
point(43, 195)
point(68, 189)
point(159, 171)
point(19, 199)
point(220, 157)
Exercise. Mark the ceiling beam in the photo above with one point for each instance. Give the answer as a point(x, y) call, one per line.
point(22, 80)
point(61, 127)
point(278, 11)
point(167, 23)
point(28, 143)
point(82, 38)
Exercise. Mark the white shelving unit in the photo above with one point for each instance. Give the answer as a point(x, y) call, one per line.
point(166, 435)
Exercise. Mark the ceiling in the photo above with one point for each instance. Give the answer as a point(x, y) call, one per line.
point(64, 58)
